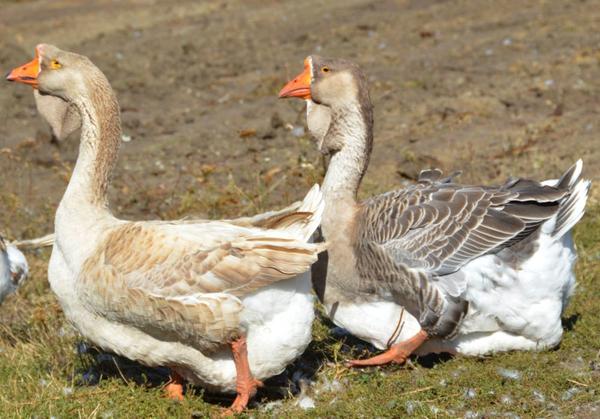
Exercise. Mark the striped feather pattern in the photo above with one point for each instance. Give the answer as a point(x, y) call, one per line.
point(413, 242)
point(185, 281)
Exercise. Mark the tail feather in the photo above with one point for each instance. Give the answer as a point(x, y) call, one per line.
point(303, 223)
point(47, 240)
point(573, 207)
point(278, 259)
point(571, 176)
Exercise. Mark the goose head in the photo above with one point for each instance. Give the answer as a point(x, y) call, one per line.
point(62, 117)
point(58, 73)
point(331, 88)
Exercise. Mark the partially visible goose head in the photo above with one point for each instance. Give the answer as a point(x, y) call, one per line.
point(13, 269)
point(332, 88)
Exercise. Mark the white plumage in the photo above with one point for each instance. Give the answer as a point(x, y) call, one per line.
point(13, 269)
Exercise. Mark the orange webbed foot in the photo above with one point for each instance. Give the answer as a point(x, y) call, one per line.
point(246, 384)
point(245, 393)
point(397, 354)
point(174, 388)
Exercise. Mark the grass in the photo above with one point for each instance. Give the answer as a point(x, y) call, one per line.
point(46, 371)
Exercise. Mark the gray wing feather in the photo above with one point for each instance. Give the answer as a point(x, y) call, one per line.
point(413, 242)
point(439, 227)
point(435, 175)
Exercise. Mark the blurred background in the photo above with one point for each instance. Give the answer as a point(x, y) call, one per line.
point(494, 89)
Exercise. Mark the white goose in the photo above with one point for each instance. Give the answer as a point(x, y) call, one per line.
point(222, 304)
point(437, 266)
point(14, 269)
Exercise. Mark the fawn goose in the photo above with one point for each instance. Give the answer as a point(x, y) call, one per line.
point(222, 304)
point(438, 266)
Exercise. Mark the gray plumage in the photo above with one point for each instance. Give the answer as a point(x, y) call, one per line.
point(410, 246)
point(412, 242)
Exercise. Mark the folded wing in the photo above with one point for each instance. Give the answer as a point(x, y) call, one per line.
point(184, 281)
point(438, 226)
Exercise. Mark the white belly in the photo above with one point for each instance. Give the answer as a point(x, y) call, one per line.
point(279, 328)
point(375, 322)
point(279, 321)
point(509, 309)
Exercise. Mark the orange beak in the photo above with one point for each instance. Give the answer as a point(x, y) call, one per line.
point(300, 86)
point(27, 73)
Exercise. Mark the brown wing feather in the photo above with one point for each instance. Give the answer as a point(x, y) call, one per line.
point(266, 219)
point(144, 275)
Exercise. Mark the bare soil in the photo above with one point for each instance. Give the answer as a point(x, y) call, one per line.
point(490, 88)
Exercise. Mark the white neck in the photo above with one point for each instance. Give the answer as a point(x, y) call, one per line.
point(80, 190)
point(83, 212)
point(318, 119)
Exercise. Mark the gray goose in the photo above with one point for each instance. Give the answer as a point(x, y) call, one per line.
point(437, 266)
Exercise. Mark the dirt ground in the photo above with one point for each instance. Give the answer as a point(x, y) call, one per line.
point(491, 88)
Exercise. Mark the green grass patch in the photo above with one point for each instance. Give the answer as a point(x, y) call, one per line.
point(43, 374)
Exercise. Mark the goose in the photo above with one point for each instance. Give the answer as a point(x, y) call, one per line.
point(224, 305)
point(437, 266)
point(14, 269)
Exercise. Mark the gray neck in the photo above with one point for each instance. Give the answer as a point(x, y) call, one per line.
point(350, 133)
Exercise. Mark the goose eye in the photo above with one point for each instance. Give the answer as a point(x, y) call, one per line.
point(55, 65)
point(325, 70)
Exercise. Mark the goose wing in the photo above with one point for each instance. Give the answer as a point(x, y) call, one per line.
point(185, 280)
point(412, 243)
point(438, 226)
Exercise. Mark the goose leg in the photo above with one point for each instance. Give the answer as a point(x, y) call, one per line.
point(174, 388)
point(246, 384)
point(397, 354)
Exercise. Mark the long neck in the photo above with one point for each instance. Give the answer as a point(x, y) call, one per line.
point(351, 133)
point(98, 149)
